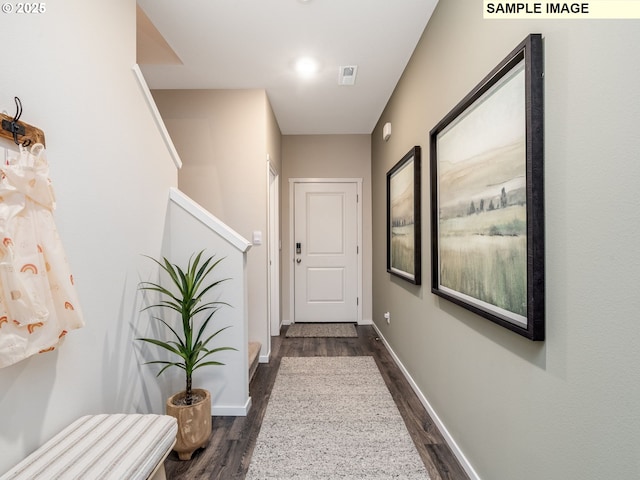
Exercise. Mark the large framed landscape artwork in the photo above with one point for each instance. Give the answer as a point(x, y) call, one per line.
point(403, 218)
point(487, 196)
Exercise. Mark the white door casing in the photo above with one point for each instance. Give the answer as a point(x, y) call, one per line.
point(274, 251)
point(326, 271)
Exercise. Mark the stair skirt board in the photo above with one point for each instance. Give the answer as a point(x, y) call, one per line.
point(254, 358)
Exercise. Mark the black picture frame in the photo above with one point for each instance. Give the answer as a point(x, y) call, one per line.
point(403, 218)
point(487, 196)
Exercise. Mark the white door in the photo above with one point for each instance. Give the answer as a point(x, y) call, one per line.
point(274, 253)
point(325, 252)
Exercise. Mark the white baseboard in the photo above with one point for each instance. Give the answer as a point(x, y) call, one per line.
point(264, 358)
point(432, 413)
point(231, 410)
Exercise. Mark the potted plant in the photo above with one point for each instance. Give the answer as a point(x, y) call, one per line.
point(190, 344)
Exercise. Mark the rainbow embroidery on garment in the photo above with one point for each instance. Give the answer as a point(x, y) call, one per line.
point(35, 315)
point(29, 267)
point(32, 326)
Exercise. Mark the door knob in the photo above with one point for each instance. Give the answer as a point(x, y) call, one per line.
point(298, 260)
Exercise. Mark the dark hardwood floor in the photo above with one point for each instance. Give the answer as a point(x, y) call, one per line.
point(233, 439)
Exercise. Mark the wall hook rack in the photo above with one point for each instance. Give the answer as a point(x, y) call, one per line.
point(21, 133)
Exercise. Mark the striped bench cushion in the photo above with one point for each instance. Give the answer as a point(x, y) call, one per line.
point(118, 447)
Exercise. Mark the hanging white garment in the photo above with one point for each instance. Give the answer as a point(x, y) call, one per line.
point(38, 302)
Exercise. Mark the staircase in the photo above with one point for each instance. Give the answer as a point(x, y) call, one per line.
point(254, 358)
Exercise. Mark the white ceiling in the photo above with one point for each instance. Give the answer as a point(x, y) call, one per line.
point(244, 44)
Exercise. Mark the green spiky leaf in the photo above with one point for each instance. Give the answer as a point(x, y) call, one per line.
point(184, 293)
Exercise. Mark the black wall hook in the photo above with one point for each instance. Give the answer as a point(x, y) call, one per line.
point(14, 127)
point(17, 130)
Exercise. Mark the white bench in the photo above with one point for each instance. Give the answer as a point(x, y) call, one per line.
point(114, 447)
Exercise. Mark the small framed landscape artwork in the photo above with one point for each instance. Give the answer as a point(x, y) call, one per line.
point(487, 196)
point(403, 217)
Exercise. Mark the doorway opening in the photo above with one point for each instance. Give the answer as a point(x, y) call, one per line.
point(326, 239)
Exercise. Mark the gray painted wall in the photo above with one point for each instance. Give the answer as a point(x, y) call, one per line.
point(223, 137)
point(325, 156)
point(111, 173)
point(569, 407)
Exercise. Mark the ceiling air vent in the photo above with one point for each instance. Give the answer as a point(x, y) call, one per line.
point(347, 75)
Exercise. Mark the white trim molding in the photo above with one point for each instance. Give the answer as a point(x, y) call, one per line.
point(157, 117)
point(464, 462)
point(292, 183)
point(208, 219)
point(231, 410)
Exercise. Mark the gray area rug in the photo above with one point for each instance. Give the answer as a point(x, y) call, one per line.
point(333, 418)
point(322, 330)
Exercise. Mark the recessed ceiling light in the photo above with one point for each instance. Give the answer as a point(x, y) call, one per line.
point(306, 67)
